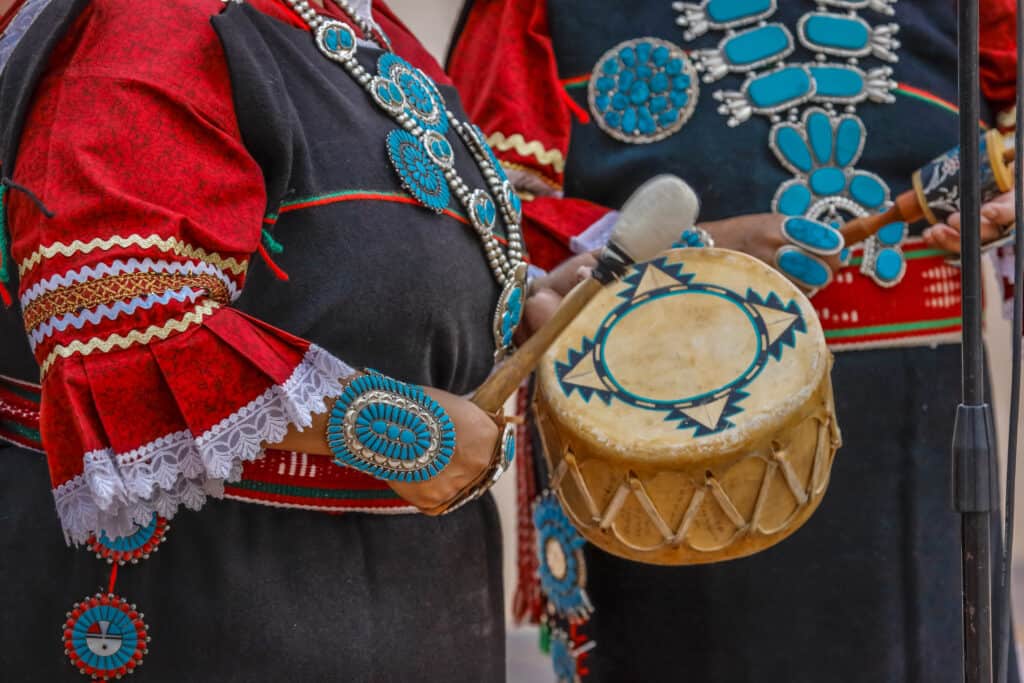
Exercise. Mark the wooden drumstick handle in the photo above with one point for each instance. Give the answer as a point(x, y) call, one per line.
point(493, 393)
point(905, 208)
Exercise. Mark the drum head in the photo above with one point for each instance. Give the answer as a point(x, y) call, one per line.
point(689, 357)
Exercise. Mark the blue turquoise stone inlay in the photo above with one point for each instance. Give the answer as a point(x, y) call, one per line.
point(867, 190)
point(848, 140)
point(819, 132)
point(423, 101)
point(832, 31)
point(791, 144)
point(390, 430)
point(643, 90)
point(813, 234)
point(795, 200)
point(838, 82)
point(888, 264)
point(338, 39)
point(512, 316)
point(804, 268)
point(484, 210)
point(757, 44)
point(778, 88)
point(729, 11)
point(418, 173)
point(828, 180)
point(892, 234)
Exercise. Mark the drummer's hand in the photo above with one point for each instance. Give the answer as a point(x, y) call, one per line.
point(546, 292)
point(760, 235)
point(476, 436)
point(996, 216)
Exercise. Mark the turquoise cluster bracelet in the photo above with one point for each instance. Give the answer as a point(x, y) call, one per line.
point(390, 430)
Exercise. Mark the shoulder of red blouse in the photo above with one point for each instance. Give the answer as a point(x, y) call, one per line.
point(503, 62)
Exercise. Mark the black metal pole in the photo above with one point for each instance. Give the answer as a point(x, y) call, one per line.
point(1004, 641)
point(973, 464)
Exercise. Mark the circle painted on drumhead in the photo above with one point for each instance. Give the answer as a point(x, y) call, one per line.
point(616, 361)
point(628, 353)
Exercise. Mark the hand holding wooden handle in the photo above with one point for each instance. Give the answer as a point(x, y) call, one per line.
point(493, 393)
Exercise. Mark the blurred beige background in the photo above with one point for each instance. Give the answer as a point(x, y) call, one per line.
point(432, 21)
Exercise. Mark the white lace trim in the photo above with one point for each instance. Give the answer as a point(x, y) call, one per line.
point(117, 491)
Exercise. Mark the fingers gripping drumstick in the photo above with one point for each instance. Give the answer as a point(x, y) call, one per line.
point(912, 205)
point(650, 222)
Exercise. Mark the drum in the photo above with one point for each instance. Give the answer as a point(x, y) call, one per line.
point(687, 413)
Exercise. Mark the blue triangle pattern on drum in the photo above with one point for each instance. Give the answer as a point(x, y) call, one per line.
point(703, 420)
point(781, 321)
point(663, 274)
point(581, 374)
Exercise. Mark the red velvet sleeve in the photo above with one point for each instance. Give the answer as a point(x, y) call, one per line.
point(154, 389)
point(504, 66)
point(998, 53)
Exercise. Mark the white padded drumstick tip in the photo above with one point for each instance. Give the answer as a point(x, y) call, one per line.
point(654, 217)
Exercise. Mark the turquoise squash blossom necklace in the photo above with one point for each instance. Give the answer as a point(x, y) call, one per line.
point(424, 159)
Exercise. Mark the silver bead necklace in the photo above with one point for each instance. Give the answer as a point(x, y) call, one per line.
point(425, 160)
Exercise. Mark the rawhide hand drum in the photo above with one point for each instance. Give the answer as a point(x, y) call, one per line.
point(687, 413)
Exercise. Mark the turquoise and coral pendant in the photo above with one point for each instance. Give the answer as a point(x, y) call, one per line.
point(105, 637)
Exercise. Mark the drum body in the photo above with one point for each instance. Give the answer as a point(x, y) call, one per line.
point(687, 413)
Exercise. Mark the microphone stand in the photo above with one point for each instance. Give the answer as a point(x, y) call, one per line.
point(974, 466)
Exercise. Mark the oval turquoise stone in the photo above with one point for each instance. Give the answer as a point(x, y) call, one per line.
point(867, 191)
point(778, 88)
point(828, 180)
point(794, 200)
point(888, 265)
point(848, 137)
point(837, 82)
point(757, 44)
point(803, 268)
point(892, 234)
point(791, 144)
point(813, 234)
point(723, 11)
point(843, 33)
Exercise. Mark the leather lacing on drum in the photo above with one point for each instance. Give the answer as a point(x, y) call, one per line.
point(827, 443)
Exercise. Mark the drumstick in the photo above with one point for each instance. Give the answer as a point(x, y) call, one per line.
point(650, 222)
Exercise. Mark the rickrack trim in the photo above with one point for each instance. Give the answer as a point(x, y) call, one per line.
point(123, 341)
point(524, 148)
point(165, 244)
point(117, 491)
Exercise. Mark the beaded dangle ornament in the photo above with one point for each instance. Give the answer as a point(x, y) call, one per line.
point(424, 158)
point(104, 635)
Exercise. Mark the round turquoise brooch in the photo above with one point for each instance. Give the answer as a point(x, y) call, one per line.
point(643, 90)
point(105, 637)
point(390, 430)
